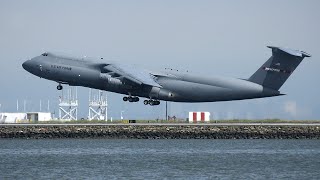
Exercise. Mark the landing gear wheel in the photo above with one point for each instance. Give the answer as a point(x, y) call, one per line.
point(131, 99)
point(145, 102)
point(151, 102)
point(59, 87)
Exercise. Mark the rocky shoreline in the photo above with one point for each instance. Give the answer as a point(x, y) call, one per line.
point(161, 132)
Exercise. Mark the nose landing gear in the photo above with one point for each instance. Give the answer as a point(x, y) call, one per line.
point(59, 87)
point(151, 102)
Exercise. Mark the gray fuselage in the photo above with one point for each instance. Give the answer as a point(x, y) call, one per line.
point(178, 87)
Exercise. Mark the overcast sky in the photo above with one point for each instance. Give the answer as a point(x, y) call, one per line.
point(225, 38)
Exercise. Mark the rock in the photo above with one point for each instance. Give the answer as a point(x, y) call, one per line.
point(161, 132)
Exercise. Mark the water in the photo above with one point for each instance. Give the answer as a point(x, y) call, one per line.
point(159, 159)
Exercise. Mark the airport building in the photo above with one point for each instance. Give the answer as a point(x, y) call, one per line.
point(25, 117)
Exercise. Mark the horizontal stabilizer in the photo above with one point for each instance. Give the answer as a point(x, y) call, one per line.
point(291, 51)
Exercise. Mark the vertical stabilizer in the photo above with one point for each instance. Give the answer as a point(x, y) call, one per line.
point(274, 73)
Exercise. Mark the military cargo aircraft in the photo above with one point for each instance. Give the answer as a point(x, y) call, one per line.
point(135, 82)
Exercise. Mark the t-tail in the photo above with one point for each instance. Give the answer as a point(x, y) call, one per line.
point(274, 73)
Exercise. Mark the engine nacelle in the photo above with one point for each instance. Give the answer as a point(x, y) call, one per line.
point(114, 82)
point(110, 80)
point(158, 93)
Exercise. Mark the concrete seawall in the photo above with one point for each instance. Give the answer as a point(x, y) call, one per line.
point(161, 131)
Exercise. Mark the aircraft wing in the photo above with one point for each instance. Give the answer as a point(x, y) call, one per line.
point(130, 73)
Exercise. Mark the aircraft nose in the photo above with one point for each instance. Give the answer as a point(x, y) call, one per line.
point(26, 65)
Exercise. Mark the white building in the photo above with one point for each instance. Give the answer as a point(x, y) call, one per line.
point(195, 117)
point(25, 117)
point(12, 117)
point(39, 116)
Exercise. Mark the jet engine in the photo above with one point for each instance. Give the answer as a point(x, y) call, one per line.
point(110, 80)
point(159, 93)
point(114, 81)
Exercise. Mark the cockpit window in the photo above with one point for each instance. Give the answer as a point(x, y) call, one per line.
point(44, 54)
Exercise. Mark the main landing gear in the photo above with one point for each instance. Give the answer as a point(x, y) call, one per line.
point(59, 87)
point(131, 99)
point(151, 102)
point(145, 102)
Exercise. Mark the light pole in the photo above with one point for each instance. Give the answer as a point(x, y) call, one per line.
point(166, 110)
point(122, 115)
